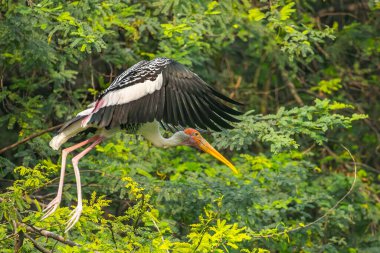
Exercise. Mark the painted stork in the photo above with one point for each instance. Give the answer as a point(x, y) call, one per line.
point(149, 93)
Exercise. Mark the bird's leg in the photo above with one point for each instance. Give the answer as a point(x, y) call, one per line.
point(75, 214)
point(53, 205)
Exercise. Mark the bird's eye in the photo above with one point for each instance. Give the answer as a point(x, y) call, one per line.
point(196, 134)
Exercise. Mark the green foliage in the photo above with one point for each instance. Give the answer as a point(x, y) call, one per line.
point(212, 235)
point(266, 199)
point(328, 86)
point(281, 129)
point(307, 72)
point(294, 39)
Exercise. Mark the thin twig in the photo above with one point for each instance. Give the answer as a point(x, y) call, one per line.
point(328, 211)
point(8, 237)
point(113, 235)
point(337, 14)
point(29, 138)
point(158, 229)
point(203, 232)
point(92, 76)
point(292, 88)
point(36, 245)
point(19, 238)
point(349, 7)
point(49, 234)
point(264, 101)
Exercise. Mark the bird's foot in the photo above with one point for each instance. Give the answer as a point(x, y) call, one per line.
point(75, 214)
point(51, 207)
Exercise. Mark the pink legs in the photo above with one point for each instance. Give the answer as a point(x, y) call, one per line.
point(75, 214)
point(53, 205)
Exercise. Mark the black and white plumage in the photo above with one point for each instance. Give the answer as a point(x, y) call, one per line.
point(162, 90)
point(150, 92)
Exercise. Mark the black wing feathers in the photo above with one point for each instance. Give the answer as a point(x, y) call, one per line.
point(184, 99)
point(199, 101)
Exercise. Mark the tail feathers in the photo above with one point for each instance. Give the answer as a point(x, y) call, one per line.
point(79, 116)
point(68, 130)
point(57, 141)
point(70, 122)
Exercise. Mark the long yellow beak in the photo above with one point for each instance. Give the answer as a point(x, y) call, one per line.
point(206, 147)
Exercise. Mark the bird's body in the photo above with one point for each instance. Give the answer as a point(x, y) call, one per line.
point(148, 94)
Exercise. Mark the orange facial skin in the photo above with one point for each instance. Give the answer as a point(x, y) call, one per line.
point(198, 141)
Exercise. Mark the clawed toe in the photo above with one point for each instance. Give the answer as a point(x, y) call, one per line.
point(75, 214)
point(51, 207)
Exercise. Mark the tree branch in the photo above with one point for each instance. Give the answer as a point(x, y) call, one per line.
point(36, 245)
point(49, 234)
point(349, 8)
point(19, 238)
point(29, 138)
point(292, 88)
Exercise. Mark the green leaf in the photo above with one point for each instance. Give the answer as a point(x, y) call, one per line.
point(255, 14)
point(287, 11)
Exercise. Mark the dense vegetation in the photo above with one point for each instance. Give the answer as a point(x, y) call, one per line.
point(306, 71)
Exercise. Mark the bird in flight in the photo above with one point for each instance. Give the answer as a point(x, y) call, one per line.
point(145, 96)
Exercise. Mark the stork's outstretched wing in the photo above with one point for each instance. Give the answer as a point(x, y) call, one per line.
point(162, 90)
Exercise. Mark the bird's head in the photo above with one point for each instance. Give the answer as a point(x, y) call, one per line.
point(195, 139)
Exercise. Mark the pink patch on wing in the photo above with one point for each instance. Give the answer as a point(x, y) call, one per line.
point(98, 105)
point(86, 120)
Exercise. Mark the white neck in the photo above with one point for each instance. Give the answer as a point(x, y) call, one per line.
point(151, 132)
